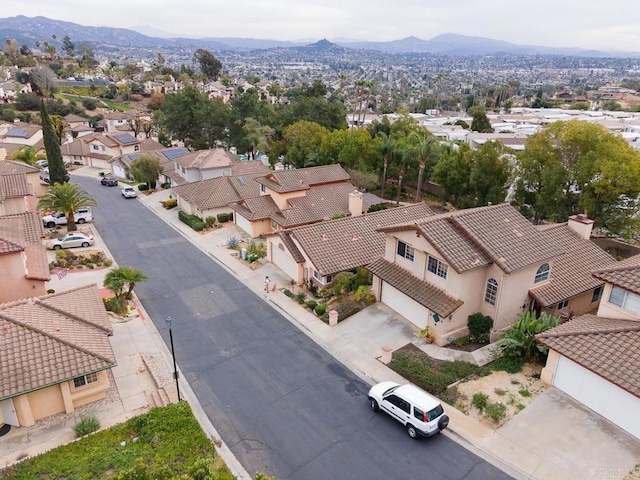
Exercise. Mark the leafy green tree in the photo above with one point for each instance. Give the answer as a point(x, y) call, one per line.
point(67, 198)
point(452, 173)
point(257, 135)
point(121, 281)
point(426, 148)
point(86, 56)
point(191, 117)
point(328, 113)
point(480, 121)
point(611, 105)
point(210, 66)
point(146, 169)
point(57, 170)
point(27, 154)
point(519, 341)
point(243, 106)
point(490, 175)
point(353, 148)
point(302, 139)
point(67, 45)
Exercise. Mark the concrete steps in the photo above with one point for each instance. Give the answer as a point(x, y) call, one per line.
point(157, 398)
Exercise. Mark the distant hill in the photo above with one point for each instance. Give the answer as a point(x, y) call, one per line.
point(28, 30)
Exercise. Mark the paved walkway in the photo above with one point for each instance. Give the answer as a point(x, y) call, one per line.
point(525, 447)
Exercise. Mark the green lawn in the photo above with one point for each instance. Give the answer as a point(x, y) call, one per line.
point(164, 443)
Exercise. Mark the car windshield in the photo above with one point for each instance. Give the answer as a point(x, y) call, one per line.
point(388, 391)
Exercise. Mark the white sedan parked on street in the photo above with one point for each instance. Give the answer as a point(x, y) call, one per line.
point(77, 239)
point(128, 192)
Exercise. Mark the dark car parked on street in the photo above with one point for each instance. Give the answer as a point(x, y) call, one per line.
point(109, 181)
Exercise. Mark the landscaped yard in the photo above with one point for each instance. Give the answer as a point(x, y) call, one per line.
point(163, 443)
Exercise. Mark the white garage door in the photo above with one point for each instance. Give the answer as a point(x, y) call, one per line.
point(242, 222)
point(280, 257)
point(405, 306)
point(601, 396)
point(99, 163)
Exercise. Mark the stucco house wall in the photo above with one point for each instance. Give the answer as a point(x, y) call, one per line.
point(281, 199)
point(13, 266)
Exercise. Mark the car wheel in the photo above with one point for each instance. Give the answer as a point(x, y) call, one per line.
point(411, 430)
point(57, 247)
point(51, 225)
point(80, 221)
point(374, 405)
point(85, 244)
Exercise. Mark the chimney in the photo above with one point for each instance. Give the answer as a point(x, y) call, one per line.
point(581, 225)
point(355, 203)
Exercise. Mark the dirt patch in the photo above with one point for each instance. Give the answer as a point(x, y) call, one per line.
point(513, 390)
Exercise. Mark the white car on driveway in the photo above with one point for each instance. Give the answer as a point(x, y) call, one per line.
point(128, 192)
point(420, 413)
point(81, 216)
point(76, 239)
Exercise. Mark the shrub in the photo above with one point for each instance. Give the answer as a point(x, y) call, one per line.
point(363, 294)
point(210, 221)
point(223, 217)
point(233, 242)
point(496, 411)
point(500, 391)
point(300, 297)
point(519, 341)
point(377, 208)
point(311, 304)
point(480, 326)
point(142, 187)
point(169, 204)
point(164, 186)
point(480, 401)
point(324, 293)
point(320, 309)
point(89, 103)
point(86, 425)
point(288, 293)
point(343, 283)
point(194, 222)
point(257, 249)
point(461, 341)
point(524, 392)
point(50, 291)
point(509, 364)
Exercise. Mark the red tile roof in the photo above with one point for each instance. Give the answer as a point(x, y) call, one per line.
point(608, 347)
point(53, 338)
point(624, 274)
point(424, 293)
point(282, 181)
point(571, 273)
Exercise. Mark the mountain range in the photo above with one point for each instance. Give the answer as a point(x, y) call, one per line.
point(28, 30)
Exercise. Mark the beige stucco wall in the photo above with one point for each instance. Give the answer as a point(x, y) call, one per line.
point(15, 205)
point(608, 310)
point(12, 265)
point(281, 199)
point(579, 305)
point(260, 227)
point(549, 371)
point(38, 188)
point(60, 398)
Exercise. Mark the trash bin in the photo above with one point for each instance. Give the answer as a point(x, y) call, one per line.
point(243, 253)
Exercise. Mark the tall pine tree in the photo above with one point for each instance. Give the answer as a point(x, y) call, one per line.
point(57, 170)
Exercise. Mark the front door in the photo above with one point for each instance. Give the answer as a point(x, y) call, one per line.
point(8, 413)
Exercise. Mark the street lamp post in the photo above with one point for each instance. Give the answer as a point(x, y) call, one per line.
point(173, 354)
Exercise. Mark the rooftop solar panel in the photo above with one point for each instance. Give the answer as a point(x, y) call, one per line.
point(125, 138)
point(174, 152)
point(17, 132)
point(134, 156)
point(241, 181)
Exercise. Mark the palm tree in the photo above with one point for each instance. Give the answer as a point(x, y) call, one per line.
point(386, 147)
point(426, 150)
point(122, 280)
point(67, 198)
point(27, 154)
point(400, 157)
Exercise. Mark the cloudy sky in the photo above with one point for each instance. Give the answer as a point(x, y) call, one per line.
point(610, 24)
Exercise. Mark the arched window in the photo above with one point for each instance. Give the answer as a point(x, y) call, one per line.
point(491, 291)
point(542, 274)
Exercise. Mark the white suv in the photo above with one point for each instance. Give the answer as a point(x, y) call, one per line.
point(128, 192)
point(418, 411)
point(58, 218)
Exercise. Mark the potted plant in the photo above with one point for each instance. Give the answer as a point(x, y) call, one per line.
point(426, 334)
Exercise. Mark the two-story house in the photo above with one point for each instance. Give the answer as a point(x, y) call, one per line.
point(439, 270)
point(205, 164)
point(31, 176)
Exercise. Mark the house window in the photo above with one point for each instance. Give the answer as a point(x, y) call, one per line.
point(597, 294)
point(563, 304)
point(437, 267)
point(626, 300)
point(542, 274)
point(405, 251)
point(85, 380)
point(95, 147)
point(274, 225)
point(263, 189)
point(321, 279)
point(136, 148)
point(491, 291)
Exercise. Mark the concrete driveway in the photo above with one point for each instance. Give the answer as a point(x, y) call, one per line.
point(561, 439)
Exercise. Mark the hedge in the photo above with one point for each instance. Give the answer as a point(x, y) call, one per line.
point(225, 217)
point(194, 222)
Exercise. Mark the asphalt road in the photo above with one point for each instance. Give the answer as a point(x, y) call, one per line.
point(281, 403)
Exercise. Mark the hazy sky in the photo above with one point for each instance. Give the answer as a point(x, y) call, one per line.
point(598, 24)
